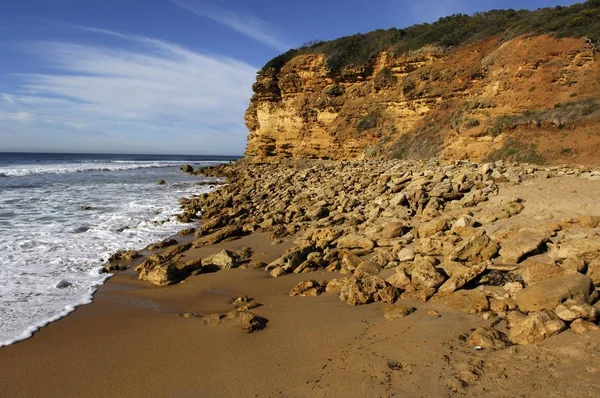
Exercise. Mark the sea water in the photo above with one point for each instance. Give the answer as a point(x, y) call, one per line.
point(51, 250)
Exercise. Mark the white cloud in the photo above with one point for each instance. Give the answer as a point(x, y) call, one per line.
point(8, 98)
point(23, 117)
point(156, 93)
point(246, 24)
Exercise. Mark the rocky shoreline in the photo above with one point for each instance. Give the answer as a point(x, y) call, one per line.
point(393, 231)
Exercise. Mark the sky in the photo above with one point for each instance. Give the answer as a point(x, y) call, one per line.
point(166, 76)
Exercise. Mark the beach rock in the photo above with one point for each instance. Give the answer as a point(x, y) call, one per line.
point(125, 255)
point(85, 208)
point(62, 284)
point(394, 229)
point(460, 277)
point(471, 301)
point(571, 310)
point(406, 254)
point(161, 245)
point(535, 328)
point(187, 231)
point(367, 268)
point(336, 284)
point(579, 326)
point(111, 267)
point(224, 259)
point(220, 235)
point(399, 280)
point(477, 248)
point(526, 241)
point(397, 311)
point(186, 168)
point(166, 273)
point(548, 294)
point(349, 260)
point(593, 271)
point(308, 288)
point(430, 228)
point(488, 338)
point(465, 221)
point(424, 276)
point(537, 272)
point(250, 322)
point(355, 242)
point(585, 249)
point(161, 182)
point(573, 265)
point(368, 290)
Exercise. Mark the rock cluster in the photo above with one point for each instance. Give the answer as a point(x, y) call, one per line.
point(425, 222)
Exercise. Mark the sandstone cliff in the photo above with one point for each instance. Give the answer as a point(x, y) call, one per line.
point(533, 98)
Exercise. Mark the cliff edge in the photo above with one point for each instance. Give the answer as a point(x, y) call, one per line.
point(481, 93)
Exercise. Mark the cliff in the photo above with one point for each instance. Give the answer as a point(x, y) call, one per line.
point(533, 98)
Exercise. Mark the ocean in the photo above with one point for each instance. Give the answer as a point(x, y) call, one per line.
point(51, 250)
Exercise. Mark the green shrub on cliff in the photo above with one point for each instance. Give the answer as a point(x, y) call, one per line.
point(368, 121)
point(517, 151)
point(578, 20)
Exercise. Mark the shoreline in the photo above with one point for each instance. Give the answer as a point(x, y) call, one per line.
point(137, 339)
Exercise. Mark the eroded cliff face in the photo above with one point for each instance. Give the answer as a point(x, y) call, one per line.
point(533, 98)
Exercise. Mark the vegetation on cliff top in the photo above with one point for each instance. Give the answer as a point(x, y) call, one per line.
point(578, 20)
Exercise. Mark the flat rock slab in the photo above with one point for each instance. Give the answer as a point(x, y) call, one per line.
point(522, 243)
point(547, 294)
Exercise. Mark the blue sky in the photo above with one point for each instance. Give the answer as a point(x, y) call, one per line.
point(165, 76)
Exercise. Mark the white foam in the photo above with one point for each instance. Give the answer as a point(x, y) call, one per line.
point(51, 252)
point(117, 165)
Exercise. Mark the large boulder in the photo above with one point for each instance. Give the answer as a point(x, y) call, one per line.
point(368, 290)
point(536, 327)
point(548, 294)
point(475, 249)
point(525, 241)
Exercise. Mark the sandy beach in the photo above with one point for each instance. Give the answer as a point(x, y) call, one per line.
point(139, 340)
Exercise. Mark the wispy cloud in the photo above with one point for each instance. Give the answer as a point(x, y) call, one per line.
point(244, 23)
point(145, 91)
